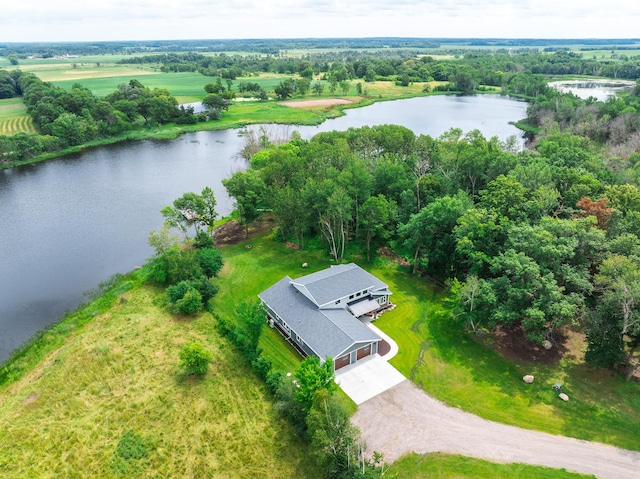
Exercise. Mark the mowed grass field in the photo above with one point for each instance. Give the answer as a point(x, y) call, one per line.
point(14, 118)
point(449, 466)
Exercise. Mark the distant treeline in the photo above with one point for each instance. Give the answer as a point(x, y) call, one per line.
point(472, 69)
point(274, 46)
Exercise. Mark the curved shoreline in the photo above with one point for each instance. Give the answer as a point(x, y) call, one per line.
point(172, 131)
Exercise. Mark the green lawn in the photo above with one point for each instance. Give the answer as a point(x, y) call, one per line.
point(454, 367)
point(448, 466)
point(186, 87)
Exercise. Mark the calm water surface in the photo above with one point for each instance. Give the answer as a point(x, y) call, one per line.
point(68, 224)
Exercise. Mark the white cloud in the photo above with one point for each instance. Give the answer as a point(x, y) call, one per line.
point(40, 20)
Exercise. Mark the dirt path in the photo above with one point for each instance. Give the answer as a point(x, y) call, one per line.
point(318, 102)
point(405, 419)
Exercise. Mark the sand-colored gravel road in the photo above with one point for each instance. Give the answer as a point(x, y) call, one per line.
point(405, 419)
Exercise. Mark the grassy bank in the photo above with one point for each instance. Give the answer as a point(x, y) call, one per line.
point(238, 116)
point(111, 387)
point(448, 466)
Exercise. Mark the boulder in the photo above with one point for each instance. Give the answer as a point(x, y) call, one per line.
point(305, 265)
point(546, 344)
point(528, 379)
point(563, 396)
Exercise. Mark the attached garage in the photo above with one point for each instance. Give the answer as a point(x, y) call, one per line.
point(363, 352)
point(342, 361)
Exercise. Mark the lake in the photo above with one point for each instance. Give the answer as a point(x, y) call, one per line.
point(600, 89)
point(70, 223)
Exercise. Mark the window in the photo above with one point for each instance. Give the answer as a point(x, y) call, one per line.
point(358, 294)
point(338, 302)
point(351, 297)
point(365, 291)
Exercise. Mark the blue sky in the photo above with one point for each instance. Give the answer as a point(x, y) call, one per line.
point(98, 20)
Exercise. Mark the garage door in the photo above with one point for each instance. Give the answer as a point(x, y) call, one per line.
point(364, 352)
point(342, 361)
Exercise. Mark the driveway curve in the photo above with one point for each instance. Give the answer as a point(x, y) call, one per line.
point(405, 419)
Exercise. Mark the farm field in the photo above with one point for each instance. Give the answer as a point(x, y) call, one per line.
point(14, 118)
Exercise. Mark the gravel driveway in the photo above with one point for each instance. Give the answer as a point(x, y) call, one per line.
point(405, 419)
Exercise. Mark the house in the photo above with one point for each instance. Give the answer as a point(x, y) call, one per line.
point(319, 313)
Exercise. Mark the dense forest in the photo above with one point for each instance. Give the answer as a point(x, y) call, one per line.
point(537, 239)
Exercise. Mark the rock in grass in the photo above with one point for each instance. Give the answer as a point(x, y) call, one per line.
point(563, 396)
point(528, 378)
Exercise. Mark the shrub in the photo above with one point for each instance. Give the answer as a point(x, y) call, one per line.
point(210, 261)
point(262, 366)
point(177, 291)
point(203, 240)
point(195, 359)
point(190, 303)
point(205, 287)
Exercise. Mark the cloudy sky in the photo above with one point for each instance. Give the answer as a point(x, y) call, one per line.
point(87, 20)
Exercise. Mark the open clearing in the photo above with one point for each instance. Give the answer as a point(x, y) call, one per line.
point(404, 419)
point(315, 103)
point(119, 373)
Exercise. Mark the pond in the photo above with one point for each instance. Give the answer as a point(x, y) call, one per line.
point(601, 90)
point(70, 223)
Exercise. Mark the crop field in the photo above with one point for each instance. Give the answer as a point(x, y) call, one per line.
point(14, 118)
point(186, 87)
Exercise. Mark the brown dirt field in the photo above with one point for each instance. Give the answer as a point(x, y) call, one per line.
point(232, 233)
point(318, 102)
point(511, 343)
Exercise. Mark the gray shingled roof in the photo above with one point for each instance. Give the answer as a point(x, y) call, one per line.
point(333, 283)
point(328, 332)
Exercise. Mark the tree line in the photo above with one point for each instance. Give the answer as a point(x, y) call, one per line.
point(74, 117)
point(536, 239)
point(469, 70)
point(275, 46)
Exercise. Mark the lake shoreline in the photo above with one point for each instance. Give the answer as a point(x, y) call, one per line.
point(171, 132)
point(121, 188)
